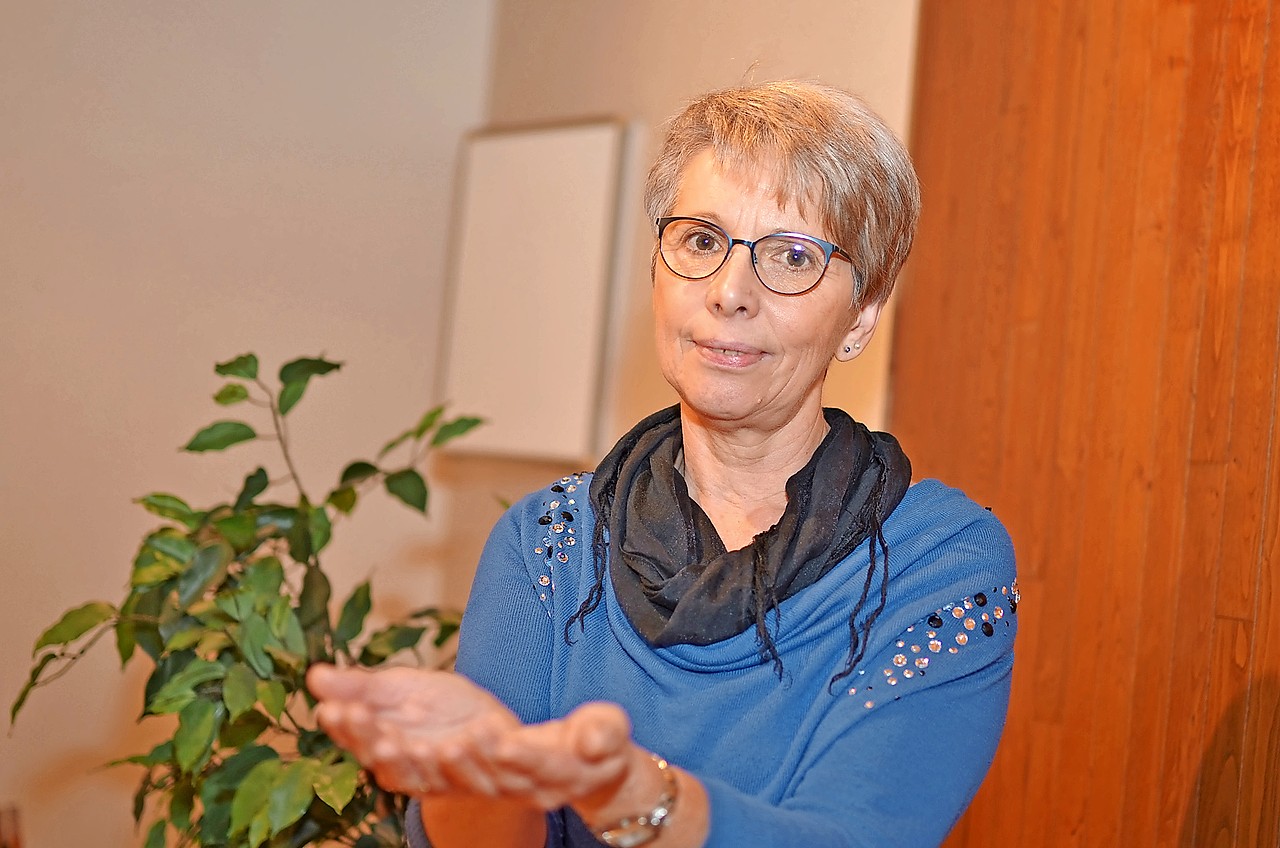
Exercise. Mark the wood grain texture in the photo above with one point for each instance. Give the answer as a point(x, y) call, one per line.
point(1088, 340)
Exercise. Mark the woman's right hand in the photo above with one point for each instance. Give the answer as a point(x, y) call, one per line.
point(405, 724)
point(436, 733)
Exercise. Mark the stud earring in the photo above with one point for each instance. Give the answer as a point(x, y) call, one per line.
point(857, 345)
point(848, 349)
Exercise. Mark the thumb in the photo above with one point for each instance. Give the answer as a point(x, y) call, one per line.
point(600, 730)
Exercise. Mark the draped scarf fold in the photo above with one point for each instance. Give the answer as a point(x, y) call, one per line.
point(671, 573)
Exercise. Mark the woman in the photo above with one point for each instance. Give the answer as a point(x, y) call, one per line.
point(746, 628)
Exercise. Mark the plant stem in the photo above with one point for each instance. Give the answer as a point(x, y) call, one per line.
point(277, 422)
point(70, 658)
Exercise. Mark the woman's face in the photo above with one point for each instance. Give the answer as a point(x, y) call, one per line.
point(737, 353)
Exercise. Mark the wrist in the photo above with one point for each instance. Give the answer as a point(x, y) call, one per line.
point(642, 806)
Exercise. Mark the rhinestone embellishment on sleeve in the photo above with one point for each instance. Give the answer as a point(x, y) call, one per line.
point(945, 632)
point(559, 530)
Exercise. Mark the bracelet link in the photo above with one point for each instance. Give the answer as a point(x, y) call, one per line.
point(633, 831)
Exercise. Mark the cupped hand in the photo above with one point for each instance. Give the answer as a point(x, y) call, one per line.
point(432, 732)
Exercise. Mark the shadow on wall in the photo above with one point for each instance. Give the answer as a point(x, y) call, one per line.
point(85, 769)
point(1211, 813)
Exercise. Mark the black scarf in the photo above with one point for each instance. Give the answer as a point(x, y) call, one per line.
point(672, 575)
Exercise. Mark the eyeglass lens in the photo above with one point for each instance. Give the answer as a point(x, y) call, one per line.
point(787, 264)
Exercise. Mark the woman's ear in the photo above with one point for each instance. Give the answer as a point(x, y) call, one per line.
point(864, 325)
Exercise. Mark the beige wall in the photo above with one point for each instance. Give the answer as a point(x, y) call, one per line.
point(641, 61)
point(180, 184)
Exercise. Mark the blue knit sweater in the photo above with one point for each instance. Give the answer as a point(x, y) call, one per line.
point(889, 756)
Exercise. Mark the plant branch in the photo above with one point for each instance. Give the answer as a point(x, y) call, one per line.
point(69, 659)
point(282, 435)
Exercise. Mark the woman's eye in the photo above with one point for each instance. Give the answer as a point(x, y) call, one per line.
point(702, 241)
point(796, 256)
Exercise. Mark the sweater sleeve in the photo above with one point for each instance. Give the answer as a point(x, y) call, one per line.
point(903, 754)
point(505, 644)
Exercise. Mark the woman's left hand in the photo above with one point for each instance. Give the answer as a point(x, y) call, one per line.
point(437, 733)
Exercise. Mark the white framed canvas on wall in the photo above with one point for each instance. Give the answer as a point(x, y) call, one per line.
point(532, 252)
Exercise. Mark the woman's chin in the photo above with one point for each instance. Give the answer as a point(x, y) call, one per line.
point(726, 409)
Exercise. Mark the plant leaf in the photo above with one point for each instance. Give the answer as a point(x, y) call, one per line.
point(428, 421)
point(294, 375)
point(155, 572)
point(231, 393)
point(245, 365)
point(242, 731)
point(166, 667)
point(208, 568)
point(219, 436)
point(213, 642)
point(74, 624)
point(253, 638)
point(445, 628)
point(276, 520)
point(313, 602)
point(292, 794)
point(343, 499)
point(140, 797)
point(290, 394)
point(300, 533)
point(170, 506)
point(238, 606)
point(155, 836)
point(313, 613)
point(239, 690)
point(179, 690)
point(272, 695)
point(388, 641)
point(453, 429)
point(169, 542)
point(197, 728)
point(240, 531)
point(259, 830)
point(285, 626)
point(357, 471)
point(181, 805)
point(32, 681)
point(254, 485)
point(321, 529)
point(262, 579)
point(136, 627)
point(185, 638)
point(305, 368)
point(351, 620)
point(161, 753)
point(396, 442)
point(408, 486)
point(219, 788)
point(335, 784)
point(252, 794)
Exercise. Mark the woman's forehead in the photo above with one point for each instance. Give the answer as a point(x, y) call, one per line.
point(709, 176)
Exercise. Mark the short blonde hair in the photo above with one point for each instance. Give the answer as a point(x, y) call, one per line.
point(823, 146)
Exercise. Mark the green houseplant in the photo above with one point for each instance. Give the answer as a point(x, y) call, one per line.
point(231, 606)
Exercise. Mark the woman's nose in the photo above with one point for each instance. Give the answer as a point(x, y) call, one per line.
point(735, 288)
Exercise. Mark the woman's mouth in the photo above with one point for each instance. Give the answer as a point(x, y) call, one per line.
point(729, 353)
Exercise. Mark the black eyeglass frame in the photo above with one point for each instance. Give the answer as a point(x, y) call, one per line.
point(828, 250)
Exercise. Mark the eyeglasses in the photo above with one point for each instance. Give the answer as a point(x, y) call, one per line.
point(785, 263)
